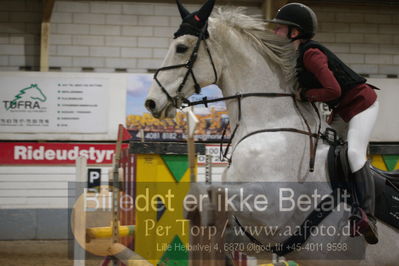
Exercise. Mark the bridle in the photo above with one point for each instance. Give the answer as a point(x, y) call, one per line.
point(179, 98)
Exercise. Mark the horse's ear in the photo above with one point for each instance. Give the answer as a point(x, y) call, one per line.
point(183, 11)
point(206, 10)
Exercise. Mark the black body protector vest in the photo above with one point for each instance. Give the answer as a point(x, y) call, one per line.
point(345, 76)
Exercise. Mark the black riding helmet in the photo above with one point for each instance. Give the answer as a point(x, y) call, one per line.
point(297, 15)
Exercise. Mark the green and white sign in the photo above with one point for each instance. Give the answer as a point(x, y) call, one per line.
point(53, 105)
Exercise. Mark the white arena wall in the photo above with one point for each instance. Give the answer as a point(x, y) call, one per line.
point(387, 125)
point(34, 201)
point(109, 36)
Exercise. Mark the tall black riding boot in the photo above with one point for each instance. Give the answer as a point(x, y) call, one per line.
point(363, 217)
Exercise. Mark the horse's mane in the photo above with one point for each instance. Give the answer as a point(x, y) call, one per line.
point(279, 50)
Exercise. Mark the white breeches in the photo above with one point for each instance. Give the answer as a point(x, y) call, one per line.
point(360, 128)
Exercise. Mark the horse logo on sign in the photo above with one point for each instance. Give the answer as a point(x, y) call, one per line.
point(27, 98)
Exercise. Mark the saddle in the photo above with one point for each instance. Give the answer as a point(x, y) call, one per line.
point(386, 183)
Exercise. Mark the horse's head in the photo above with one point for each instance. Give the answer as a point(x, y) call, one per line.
point(187, 67)
point(36, 93)
point(33, 92)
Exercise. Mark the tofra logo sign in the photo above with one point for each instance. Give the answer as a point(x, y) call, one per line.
point(27, 98)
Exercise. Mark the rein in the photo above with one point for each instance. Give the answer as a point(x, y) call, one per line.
point(205, 100)
point(313, 137)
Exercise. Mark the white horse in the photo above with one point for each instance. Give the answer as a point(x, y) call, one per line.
point(241, 56)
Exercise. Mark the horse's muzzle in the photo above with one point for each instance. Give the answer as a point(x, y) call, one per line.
point(150, 105)
point(168, 111)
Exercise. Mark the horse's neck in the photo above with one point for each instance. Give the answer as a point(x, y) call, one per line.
point(245, 70)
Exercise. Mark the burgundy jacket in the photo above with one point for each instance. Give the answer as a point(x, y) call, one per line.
point(354, 101)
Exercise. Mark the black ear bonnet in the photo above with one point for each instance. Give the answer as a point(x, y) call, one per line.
point(194, 23)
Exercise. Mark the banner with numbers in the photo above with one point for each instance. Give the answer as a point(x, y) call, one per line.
point(142, 125)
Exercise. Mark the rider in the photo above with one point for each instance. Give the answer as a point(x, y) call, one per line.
point(323, 77)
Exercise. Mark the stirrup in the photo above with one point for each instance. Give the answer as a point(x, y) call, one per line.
point(360, 224)
point(358, 215)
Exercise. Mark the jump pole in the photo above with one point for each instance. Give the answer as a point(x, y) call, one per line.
point(192, 122)
point(116, 172)
point(211, 258)
point(116, 186)
point(79, 221)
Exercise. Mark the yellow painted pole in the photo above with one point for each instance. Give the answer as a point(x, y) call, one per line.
point(127, 256)
point(106, 232)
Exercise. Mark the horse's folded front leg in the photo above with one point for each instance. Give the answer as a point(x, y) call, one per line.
point(200, 205)
point(208, 220)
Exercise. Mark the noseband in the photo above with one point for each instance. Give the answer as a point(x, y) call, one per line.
point(179, 98)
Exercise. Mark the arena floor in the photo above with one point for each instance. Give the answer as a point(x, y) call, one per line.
point(37, 252)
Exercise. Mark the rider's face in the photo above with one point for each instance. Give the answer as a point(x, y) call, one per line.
point(281, 30)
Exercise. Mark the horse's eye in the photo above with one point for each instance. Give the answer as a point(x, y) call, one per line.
point(181, 48)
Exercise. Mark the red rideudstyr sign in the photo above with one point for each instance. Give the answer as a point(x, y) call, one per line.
point(55, 153)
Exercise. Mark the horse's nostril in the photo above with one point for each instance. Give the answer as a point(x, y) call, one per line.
point(150, 104)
